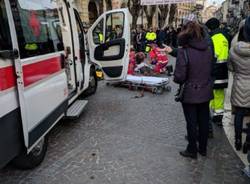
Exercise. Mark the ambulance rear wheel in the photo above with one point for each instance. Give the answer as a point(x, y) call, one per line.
point(34, 158)
point(159, 91)
point(92, 83)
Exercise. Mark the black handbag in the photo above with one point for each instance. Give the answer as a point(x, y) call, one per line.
point(179, 96)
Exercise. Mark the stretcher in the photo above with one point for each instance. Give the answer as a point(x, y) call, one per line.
point(156, 85)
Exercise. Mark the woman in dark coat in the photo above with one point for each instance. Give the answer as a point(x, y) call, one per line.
point(195, 72)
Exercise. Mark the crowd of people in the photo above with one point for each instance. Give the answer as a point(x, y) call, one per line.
point(141, 38)
point(205, 53)
point(148, 55)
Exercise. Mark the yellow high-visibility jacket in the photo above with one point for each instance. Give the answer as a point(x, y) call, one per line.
point(221, 50)
point(151, 36)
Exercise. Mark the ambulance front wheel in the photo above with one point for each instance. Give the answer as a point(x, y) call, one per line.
point(92, 83)
point(34, 158)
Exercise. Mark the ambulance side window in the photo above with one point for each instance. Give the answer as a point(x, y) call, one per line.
point(5, 38)
point(98, 33)
point(114, 26)
point(38, 27)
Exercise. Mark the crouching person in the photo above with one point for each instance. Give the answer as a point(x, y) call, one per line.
point(193, 70)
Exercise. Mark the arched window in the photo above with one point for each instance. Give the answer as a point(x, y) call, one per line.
point(93, 13)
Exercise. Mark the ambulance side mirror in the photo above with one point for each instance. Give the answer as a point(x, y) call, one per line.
point(9, 54)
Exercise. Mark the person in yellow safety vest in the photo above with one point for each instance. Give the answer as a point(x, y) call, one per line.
point(150, 39)
point(220, 70)
point(100, 35)
point(31, 46)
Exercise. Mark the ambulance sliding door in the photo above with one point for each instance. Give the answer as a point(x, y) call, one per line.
point(41, 77)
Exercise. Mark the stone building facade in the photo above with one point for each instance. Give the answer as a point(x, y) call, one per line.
point(183, 10)
point(233, 11)
point(209, 12)
point(89, 9)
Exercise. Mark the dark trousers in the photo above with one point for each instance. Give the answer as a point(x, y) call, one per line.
point(140, 47)
point(240, 113)
point(210, 123)
point(197, 115)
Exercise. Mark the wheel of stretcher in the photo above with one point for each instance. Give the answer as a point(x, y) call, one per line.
point(168, 88)
point(136, 88)
point(157, 90)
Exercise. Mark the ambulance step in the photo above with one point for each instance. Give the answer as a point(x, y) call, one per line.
point(75, 110)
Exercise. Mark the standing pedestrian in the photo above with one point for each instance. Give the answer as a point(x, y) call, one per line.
point(239, 65)
point(140, 39)
point(178, 30)
point(193, 69)
point(161, 37)
point(133, 37)
point(167, 38)
point(220, 71)
point(150, 39)
point(173, 37)
point(174, 51)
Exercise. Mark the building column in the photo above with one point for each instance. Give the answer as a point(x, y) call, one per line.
point(85, 12)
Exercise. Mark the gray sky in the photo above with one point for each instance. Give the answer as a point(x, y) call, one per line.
point(217, 1)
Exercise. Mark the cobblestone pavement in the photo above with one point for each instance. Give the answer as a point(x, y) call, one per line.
point(124, 140)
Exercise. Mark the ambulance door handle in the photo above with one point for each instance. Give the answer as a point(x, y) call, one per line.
point(63, 60)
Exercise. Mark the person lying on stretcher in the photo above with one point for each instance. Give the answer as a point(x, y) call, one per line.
point(142, 66)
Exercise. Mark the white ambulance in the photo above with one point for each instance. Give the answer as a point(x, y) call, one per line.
point(46, 63)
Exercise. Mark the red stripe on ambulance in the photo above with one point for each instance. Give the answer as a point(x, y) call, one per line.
point(7, 78)
point(35, 72)
point(32, 73)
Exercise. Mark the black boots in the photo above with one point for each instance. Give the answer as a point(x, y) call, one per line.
point(238, 144)
point(203, 153)
point(217, 119)
point(210, 134)
point(188, 154)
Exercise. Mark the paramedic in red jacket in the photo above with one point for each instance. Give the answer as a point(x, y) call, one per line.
point(198, 91)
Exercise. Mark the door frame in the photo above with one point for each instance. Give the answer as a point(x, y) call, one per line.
point(17, 64)
point(67, 5)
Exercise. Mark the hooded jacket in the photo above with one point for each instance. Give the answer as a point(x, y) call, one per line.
point(239, 64)
point(196, 73)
